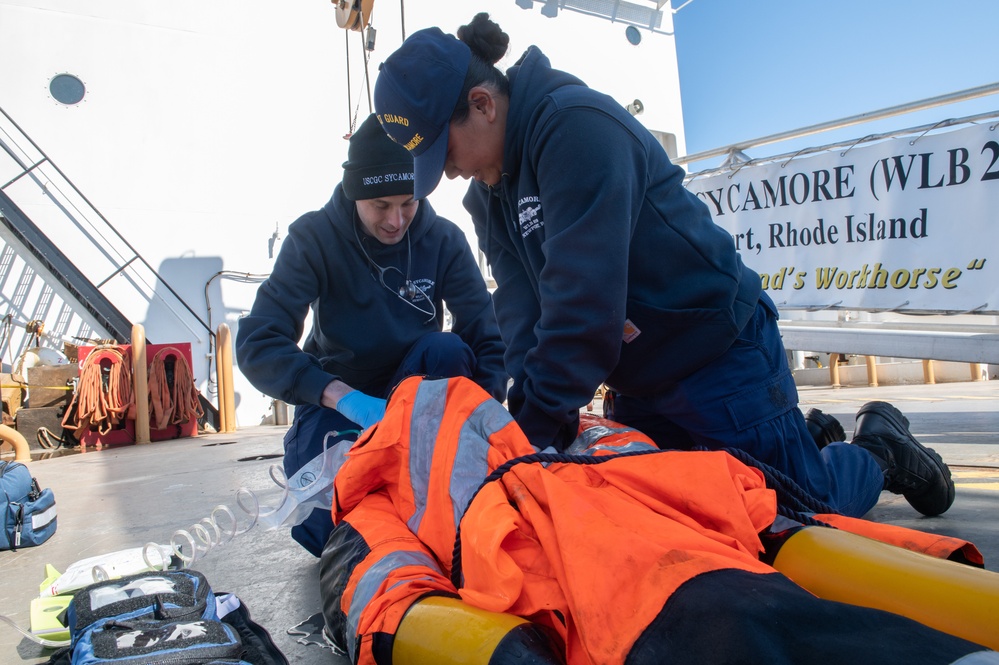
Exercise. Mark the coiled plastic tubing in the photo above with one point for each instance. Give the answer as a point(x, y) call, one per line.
point(217, 529)
point(311, 487)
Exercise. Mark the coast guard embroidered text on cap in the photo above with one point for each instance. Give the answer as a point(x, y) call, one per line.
point(415, 94)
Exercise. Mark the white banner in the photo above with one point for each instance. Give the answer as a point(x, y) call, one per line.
point(906, 224)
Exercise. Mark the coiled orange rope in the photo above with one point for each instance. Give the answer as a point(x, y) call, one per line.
point(174, 404)
point(104, 395)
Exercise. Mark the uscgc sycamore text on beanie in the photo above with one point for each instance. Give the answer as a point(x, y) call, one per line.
point(376, 165)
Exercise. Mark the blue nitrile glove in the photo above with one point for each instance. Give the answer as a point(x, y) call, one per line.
point(364, 410)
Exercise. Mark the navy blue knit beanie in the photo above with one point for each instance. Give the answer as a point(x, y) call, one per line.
point(376, 165)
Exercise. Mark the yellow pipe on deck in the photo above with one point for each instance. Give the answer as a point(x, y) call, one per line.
point(140, 384)
point(227, 395)
point(952, 597)
point(447, 631)
point(22, 453)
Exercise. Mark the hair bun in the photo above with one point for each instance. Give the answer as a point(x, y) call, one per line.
point(485, 38)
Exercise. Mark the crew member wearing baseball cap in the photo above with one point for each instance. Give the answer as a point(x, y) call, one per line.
point(610, 272)
point(375, 266)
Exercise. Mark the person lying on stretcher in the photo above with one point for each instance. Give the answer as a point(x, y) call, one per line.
point(613, 551)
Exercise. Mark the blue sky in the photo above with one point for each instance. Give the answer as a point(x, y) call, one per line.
point(750, 69)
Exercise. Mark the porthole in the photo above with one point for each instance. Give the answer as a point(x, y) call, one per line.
point(67, 89)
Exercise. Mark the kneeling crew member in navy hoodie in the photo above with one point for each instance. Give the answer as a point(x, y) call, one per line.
point(375, 266)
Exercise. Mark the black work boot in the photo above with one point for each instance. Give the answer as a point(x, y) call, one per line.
point(912, 470)
point(825, 429)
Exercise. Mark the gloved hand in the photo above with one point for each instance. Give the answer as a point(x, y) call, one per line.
point(364, 410)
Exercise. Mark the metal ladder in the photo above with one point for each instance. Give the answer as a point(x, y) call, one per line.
point(104, 266)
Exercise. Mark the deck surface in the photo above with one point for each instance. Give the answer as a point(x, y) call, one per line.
point(124, 497)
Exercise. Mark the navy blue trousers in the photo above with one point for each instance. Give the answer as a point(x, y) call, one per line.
point(438, 354)
point(747, 399)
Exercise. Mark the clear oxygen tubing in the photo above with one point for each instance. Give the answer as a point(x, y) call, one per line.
point(51, 644)
point(311, 487)
point(218, 528)
point(193, 543)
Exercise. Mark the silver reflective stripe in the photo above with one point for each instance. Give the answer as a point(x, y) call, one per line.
point(42, 519)
point(588, 438)
point(627, 448)
point(371, 582)
point(583, 443)
point(424, 426)
point(471, 463)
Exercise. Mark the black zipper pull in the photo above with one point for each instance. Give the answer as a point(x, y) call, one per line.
point(122, 625)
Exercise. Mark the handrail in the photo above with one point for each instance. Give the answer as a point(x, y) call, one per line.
point(848, 144)
point(891, 111)
point(957, 346)
point(135, 254)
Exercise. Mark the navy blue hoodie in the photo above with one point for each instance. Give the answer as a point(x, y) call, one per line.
point(360, 329)
point(608, 269)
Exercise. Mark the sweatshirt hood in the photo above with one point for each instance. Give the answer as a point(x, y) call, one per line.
point(531, 80)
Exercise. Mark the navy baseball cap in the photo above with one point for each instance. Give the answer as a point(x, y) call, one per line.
point(415, 94)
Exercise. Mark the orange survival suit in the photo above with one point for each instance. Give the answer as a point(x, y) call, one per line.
point(626, 553)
